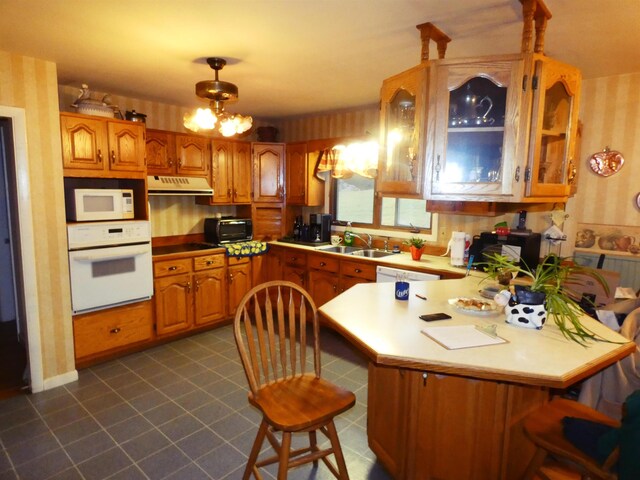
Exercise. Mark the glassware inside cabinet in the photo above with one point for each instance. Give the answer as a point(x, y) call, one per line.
point(475, 133)
point(401, 141)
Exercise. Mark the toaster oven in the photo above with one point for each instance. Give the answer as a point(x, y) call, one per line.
point(227, 230)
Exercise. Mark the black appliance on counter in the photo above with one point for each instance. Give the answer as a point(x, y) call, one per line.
point(319, 227)
point(227, 230)
point(524, 247)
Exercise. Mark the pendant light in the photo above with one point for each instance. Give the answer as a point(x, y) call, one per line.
point(217, 92)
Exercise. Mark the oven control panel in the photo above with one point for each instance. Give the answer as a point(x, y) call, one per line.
point(98, 234)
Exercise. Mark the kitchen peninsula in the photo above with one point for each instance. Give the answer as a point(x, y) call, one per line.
point(439, 413)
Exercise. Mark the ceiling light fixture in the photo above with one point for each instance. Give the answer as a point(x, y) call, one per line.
point(217, 92)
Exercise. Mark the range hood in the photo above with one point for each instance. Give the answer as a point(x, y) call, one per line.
point(169, 185)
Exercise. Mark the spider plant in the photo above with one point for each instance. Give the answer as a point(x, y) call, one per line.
point(554, 276)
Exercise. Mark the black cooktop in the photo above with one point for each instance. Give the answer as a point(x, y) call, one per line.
point(182, 248)
point(302, 242)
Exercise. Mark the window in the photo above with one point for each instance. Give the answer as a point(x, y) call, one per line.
point(356, 202)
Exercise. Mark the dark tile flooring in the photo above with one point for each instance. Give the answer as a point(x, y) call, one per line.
point(178, 411)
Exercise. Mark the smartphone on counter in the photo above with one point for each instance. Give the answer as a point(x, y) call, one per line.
point(432, 317)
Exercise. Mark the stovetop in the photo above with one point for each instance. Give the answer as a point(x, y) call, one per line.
point(302, 242)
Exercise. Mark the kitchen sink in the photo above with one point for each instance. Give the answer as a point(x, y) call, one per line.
point(371, 253)
point(341, 249)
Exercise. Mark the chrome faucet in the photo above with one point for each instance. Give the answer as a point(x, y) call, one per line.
point(367, 242)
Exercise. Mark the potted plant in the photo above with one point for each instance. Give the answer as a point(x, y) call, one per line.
point(548, 293)
point(416, 245)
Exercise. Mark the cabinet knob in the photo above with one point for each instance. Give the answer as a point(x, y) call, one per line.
point(172, 268)
point(99, 155)
point(230, 277)
point(357, 270)
point(209, 262)
point(517, 176)
point(115, 330)
point(228, 192)
point(197, 285)
point(322, 264)
point(188, 287)
point(113, 156)
point(335, 288)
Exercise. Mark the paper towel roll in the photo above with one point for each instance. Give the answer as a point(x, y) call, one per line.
point(457, 248)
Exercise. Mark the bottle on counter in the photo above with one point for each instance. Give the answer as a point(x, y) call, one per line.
point(297, 228)
point(348, 238)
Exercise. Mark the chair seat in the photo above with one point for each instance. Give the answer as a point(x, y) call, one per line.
point(298, 403)
point(544, 427)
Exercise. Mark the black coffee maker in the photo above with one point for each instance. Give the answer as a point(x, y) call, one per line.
point(320, 227)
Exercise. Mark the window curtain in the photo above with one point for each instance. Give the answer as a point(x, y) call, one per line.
point(343, 161)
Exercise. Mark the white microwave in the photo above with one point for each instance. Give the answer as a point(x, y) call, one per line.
point(89, 204)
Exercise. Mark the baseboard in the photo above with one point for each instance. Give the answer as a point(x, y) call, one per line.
point(59, 380)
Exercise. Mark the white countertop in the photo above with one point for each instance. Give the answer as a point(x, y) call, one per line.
point(389, 331)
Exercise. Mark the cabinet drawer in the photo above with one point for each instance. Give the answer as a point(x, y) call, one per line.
point(323, 262)
point(295, 259)
point(238, 260)
point(172, 267)
point(105, 330)
point(358, 269)
point(206, 262)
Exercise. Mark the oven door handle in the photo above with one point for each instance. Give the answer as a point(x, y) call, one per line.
point(111, 256)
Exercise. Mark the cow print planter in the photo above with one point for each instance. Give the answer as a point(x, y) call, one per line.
point(526, 308)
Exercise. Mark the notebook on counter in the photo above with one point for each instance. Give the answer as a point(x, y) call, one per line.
point(462, 336)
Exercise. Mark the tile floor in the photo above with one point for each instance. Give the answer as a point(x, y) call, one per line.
point(178, 411)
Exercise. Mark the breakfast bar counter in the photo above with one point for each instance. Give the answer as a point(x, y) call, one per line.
point(449, 414)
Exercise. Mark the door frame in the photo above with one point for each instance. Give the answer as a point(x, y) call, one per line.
point(27, 246)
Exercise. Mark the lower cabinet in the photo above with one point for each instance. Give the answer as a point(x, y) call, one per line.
point(189, 292)
point(427, 425)
point(294, 267)
point(330, 276)
point(239, 281)
point(104, 331)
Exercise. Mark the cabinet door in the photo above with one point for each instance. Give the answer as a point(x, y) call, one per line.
point(268, 159)
point(295, 274)
point(193, 155)
point(478, 112)
point(402, 116)
point(239, 278)
point(221, 171)
point(126, 146)
point(272, 266)
point(173, 304)
point(161, 152)
point(84, 143)
point(323, 286)
point(210, 296)
point(296, 173)
point(554, 124)
point(241, 172)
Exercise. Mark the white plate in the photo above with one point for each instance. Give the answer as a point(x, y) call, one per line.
point(475, 306)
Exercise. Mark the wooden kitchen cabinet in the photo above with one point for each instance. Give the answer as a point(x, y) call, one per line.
point(170, 153)
point(189, 292)
point(99, 333)
point(97, 147)
point(268, 172)
point(230, 172)
point(239, 280)
point(303, 186)
point(505, 129)
point(294, 268)
point(324, 278)
point(403, 115)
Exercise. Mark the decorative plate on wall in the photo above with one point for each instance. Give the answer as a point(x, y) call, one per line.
point(606, 163)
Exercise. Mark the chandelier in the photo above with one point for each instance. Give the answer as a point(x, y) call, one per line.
point(217, 92)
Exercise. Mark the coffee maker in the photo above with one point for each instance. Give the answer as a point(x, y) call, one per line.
point(320, 227)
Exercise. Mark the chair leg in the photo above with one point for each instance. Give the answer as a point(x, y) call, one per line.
point(535, 463)
point(313, 445)
point(337, 450)
point(285, 448)
point(255, 450)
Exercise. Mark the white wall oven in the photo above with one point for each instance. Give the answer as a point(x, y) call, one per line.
point(109, 264)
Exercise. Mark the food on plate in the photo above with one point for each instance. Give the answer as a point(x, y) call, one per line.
point(473, 304)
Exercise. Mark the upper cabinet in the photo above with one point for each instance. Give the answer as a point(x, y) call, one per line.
point(231, 172)
point(303, 186)
point(403, 102)
point(97, 147)
point(268, 172)
point(170, 153)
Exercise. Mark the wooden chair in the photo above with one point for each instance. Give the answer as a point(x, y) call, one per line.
point(277, 333)
point(544, 428)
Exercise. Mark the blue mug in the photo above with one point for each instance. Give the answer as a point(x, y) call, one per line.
point(402, 290)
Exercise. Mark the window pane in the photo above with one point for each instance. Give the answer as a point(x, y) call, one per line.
point(354, 199)
point(405, 212)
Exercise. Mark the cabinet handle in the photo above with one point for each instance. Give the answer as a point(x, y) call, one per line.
point(335, 288)
point(230, 277)
point(322, 264)
point(517, 176)
point(357, 270)
point(209, 262)
point(424, 379)
point(572, 172)
point(228, 192)
point(293, 259)
point(171, 163)
point(437, 169)
point(188, 287)
point(99, 155)
point(115, 330)
point(113, 156)
point(172, 268)
point(197, 285)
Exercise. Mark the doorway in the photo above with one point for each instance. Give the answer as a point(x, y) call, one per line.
point(13, 350)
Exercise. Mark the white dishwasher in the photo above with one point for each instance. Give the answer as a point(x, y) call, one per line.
point(388, 274)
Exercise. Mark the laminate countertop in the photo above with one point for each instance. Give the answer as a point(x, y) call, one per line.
point(389, 332)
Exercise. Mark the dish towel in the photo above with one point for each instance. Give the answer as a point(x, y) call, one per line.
point(246, 249)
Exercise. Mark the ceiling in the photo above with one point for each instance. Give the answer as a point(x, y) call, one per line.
point(293, 57)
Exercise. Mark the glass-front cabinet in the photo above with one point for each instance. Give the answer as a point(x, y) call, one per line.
point(402, 119)
point(476, 144)
point(554, 124)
